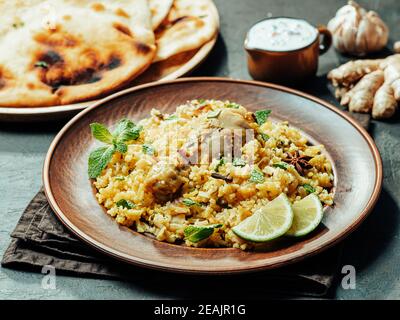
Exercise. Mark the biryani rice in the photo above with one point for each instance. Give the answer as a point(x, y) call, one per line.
point(216, 201)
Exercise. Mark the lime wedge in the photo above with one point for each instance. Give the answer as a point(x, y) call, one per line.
point(268, 222)
point(308, 214)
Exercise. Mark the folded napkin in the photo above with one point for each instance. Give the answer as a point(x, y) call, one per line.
point(39, 239)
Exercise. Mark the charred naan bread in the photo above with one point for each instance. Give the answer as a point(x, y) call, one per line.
point(65, 51)
point(159, 10)
point(189, 25)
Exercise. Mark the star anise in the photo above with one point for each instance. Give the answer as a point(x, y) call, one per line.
point(300, 162)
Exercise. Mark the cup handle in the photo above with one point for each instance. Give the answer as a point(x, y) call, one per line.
point(326, 42)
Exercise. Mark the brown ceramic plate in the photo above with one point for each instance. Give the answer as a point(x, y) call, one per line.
point(172, 68)
point(357, 168)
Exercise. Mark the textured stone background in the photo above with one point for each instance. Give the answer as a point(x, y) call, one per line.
point(374, 249)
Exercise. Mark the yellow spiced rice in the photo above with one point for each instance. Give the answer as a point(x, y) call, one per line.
point(173, 181)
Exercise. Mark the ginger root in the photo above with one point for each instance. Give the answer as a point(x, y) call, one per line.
point(396, 47)
point(361, 97)
point(392, 74)
point(369, 85)
point(384, 102)
point(352, 71)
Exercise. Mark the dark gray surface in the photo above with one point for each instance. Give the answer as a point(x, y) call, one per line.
point(374, 249)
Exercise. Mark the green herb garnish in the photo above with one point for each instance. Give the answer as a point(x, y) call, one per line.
point(125, 204)
point(116, 142)
point(120, 178)
point(264, 136)
point(101, 133)
point(232, 105)
point(121, 147)
point(98, 160)
point(172, 117)
point(281, 165)
point(214, 114)
point(198, 233)
point(18, 24)
point(126, 131)
point(189, 202)
point(42, 64)
point(237, 162)
point(257, 176)
point(148, 149)
point(220, 163)
point(262, 116)
point(309, 188)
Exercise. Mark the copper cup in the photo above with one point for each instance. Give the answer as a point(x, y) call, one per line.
point(288, 66)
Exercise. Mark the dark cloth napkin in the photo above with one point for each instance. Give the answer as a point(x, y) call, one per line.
point(39, 239)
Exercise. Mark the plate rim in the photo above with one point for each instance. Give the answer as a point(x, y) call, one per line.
point(190, 270)
point(203, 52)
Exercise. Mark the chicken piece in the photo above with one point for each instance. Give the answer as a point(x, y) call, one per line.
point(232, 119)
point(352, 71)
point(231, 137)
point(224, 136)
point(226, 143)
point(385, 104)
point(361, 97)
point(164, 180)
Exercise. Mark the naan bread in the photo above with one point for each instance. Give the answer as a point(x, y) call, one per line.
point(189, 25)
point(65, 51)
point(159, 10)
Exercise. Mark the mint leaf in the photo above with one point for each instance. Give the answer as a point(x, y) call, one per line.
point(309, 188)
point(121, 147)
point(98, 160)
point(190, 202)
point(198, 233)
point(123, 125)
point(257, 176)
point(264, 136)
point(126, 130)
point(220, 163)
point(148, 149)
point(125, 204)
point(262, 116)
point(101, 133)
point(237, 162)
point(282, 165)
point(131, 134)
point(172, 117)
point(232, 105)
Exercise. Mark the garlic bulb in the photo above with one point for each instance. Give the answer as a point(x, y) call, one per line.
point(356, 31)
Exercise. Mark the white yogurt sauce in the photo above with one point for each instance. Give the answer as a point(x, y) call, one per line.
point(281, 34)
